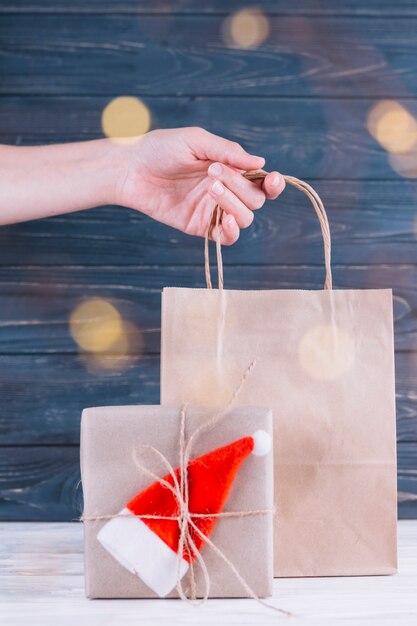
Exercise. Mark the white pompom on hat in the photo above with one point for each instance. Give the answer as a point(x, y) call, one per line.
point(261, 443)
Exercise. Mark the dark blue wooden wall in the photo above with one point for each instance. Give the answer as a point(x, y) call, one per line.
point(301, 99)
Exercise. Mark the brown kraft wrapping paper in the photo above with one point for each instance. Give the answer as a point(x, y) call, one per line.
point(325, 366)
point(110, 479)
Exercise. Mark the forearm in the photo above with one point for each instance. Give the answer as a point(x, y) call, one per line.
point(50, 180)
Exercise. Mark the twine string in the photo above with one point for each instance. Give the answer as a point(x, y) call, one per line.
point(214, 228)
point(185, 517)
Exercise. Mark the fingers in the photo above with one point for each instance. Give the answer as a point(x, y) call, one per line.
point(252, 196)
point(238, 191)
point(273, 185)
point(230, 203)
point(229, 231)
point(235, 194)
point(211, 147)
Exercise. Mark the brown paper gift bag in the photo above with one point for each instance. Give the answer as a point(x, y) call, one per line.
point(324, 363)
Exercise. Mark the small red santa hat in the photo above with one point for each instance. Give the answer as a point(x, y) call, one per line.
point(149, 547)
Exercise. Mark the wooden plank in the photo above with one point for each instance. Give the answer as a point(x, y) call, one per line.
point(180, 55)
point(40, 483)
point(371, 223)
point(271, 7)
point(308, 138)
point(407, 480)
point(43, 396)
point(41, 574)
point(36, 302)
point(43, 483)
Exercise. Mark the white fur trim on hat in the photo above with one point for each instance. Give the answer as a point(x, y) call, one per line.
point(135, 546)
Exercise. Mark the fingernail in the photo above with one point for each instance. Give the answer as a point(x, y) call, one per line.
point(229, 219)
point(258, 157)
point(275, 180)
point(218, 187)
point(215, 169)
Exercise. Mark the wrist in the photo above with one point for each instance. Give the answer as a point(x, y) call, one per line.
point(107, 163)
point(124, 160)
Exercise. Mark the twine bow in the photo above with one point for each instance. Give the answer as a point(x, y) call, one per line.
point(185, 517)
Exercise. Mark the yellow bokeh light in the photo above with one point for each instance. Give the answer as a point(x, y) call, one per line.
point(326, 352)
point(96, 325)
point(405, 164)
point(392, 126)
point(246, 29)
point(125, 351)
point(125, 117)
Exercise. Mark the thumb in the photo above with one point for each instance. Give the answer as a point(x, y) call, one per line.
point(214, 148)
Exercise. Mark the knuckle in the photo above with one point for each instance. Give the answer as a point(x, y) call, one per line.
point(198, 131)
point(234, 147)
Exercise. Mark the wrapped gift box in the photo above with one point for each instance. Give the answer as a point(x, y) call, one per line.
point(231, 467)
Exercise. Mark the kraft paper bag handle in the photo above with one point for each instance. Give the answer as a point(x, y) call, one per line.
point(298, 184)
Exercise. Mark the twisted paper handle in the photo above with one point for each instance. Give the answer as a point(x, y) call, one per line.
point(311, 194)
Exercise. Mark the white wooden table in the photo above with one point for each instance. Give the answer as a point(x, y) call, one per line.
point(41, 582)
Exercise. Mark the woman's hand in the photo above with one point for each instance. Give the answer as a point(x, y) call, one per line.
point(177, 175)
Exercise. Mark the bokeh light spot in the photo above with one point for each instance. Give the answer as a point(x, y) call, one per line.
point(106, 340)
point(392, 126)
point(125, 117)
point(121, 355)
point(326, 352)
point(96, 325)
point(245, 29)
point(405, 164)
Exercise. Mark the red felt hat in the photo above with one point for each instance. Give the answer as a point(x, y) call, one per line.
point(149, 547)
